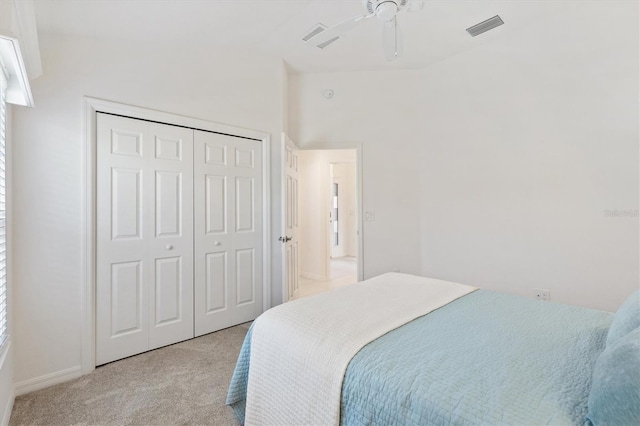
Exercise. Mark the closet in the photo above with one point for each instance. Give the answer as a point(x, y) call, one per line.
point(179, 234)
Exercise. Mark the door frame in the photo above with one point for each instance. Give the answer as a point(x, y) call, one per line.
point(89, 164)
point(359, 212)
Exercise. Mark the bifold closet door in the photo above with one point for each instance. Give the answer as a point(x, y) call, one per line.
point(144, 258)
point(227, 230)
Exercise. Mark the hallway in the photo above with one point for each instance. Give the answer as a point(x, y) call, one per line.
point(344, 271)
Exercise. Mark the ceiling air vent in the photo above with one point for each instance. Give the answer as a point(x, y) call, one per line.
point(485, 26)
point(328, 42)
point(314, 32)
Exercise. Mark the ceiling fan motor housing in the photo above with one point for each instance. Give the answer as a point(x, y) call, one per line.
point(385, 10)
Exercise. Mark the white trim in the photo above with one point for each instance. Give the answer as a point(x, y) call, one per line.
point(89, 237)
point(266, 222)
point(359, 195)
point(8, 408)
point(312, 276)
point(47, 380)
point(283, 213)
point(91, 107)
point(18, 88)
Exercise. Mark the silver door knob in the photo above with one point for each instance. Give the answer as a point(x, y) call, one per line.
point(217, 243)
point(169, 247)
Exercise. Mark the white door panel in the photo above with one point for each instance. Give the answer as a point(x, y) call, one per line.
point(122, 285)
point(228, 230)
point(144, 283)
point(290, 221)
point(126, 296)
point(179, 234)
point(171, 242)
point(216, 283)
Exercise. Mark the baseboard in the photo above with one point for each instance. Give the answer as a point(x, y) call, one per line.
point(8, 408)
point(47, 380)
point(311, 276)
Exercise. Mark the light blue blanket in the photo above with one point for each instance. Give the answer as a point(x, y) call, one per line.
point(486, 358)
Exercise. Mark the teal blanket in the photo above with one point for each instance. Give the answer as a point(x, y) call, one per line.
point(486, 358)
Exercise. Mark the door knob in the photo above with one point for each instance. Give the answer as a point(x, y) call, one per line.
point(169, 247)
point(217, 243)
point(284, 239)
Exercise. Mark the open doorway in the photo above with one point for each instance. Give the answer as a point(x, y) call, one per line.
point(328, 207)
point(343, 232)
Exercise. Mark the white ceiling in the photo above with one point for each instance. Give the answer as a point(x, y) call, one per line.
point(277, 26)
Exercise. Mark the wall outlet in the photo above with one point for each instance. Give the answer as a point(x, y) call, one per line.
point(542, 294)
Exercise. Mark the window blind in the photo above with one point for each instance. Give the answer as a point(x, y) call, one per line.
point(3, 215)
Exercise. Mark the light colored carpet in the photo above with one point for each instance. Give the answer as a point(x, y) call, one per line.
point(182, 384)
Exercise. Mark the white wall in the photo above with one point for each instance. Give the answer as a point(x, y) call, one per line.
point(495, 166)
point(242, 89)
point(384, 121)
point(313, 208)
point(528, 144)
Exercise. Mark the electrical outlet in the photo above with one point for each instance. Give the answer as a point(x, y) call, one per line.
point(542, 294)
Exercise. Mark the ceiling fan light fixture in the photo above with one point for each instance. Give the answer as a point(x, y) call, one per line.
point(386, 10)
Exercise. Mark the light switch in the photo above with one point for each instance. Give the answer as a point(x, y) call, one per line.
point(370, 215)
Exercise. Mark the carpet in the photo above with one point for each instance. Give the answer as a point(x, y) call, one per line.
point(181, 384)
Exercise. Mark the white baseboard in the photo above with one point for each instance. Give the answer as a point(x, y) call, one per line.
point(8, 408)
point(315, 277)
point(47, 380)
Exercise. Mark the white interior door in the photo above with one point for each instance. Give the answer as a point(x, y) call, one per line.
point(171, 239)
point(144, 219)
point(290, 222)
point(228, 230)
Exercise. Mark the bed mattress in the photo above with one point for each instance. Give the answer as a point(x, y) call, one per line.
point(486, 358)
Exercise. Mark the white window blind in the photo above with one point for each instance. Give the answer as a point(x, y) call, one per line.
point(3, 215)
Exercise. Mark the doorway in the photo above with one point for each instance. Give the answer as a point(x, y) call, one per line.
point(328, 205)
point(343, 232)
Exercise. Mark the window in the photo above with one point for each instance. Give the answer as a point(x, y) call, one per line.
point(3, 233)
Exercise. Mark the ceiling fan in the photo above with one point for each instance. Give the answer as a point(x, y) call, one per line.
point(386, 11)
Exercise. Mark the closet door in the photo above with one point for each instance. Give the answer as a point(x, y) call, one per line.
point(171, 240)
point(144, 258)
point(228, 230)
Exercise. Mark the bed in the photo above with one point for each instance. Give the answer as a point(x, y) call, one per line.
point(481, 358)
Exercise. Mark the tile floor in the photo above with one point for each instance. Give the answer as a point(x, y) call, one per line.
point(344, 271)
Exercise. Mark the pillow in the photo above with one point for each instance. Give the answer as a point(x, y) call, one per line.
point(626, 319)
point(614, 398)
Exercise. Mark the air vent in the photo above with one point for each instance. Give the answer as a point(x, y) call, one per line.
point(485, 26)
point(314, 32)
point(328, 42)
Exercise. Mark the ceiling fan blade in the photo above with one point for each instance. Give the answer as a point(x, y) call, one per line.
point(338, 30)
point(391, 40)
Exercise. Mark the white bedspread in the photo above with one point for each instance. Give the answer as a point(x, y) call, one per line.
point(300, 350)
